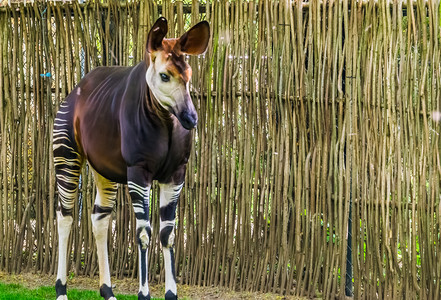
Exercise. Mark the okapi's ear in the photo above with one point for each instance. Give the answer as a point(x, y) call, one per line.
point(195, 41)
point(156, 35)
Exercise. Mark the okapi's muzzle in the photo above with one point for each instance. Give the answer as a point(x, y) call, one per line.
point(186, 114)
point(188, 119)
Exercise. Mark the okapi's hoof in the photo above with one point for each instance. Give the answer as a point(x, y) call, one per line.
point(61, 290)
point(142, 297)
point(106, 292)
point(170, 296)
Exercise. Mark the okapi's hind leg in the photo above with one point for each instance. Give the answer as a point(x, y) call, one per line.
point(104, 202)
point(68, 164)
point(169, 195)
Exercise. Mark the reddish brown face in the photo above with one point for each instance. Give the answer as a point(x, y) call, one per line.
point(168, 73)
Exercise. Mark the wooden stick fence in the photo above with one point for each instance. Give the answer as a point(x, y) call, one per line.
point(304, 111)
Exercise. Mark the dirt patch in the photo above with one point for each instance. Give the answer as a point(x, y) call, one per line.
point(130, 286)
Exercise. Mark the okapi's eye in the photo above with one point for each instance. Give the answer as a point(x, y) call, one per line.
point(165, 77)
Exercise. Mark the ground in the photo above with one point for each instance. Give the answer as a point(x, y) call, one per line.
point(130, 286)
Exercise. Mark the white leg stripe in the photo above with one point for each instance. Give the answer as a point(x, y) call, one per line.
point(169, 193)
point(62, 112)
point(142, 191)
point(59, 121)
point(142, 223)
point(100, 230)
point(138, 207)
point(166, 224)
point(64, 226)
point(170, 283)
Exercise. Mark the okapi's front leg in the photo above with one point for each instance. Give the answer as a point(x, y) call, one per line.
point(169, 195)
point(139, 189)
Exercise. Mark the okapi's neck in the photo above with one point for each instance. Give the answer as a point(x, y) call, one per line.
point(152, 103)
point(154, 107)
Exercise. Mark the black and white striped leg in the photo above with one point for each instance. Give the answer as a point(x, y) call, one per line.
point(104, 202)
point(139, 189)
point(169, 196)
point(68, 164)
point(67, 194)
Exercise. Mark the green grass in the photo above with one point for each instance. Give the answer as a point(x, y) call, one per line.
point(16, 291)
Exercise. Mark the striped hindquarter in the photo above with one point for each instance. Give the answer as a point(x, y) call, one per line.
point(67, 160)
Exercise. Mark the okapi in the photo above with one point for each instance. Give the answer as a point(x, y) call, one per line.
point(133, 125)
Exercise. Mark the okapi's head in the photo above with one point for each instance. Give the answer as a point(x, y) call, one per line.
point(168, 74)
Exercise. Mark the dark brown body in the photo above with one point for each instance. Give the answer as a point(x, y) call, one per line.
point(116, 124)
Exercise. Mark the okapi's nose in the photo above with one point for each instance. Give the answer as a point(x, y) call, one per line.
point(188, 119)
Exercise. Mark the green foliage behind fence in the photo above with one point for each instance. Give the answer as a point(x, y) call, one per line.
point(303, 108)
